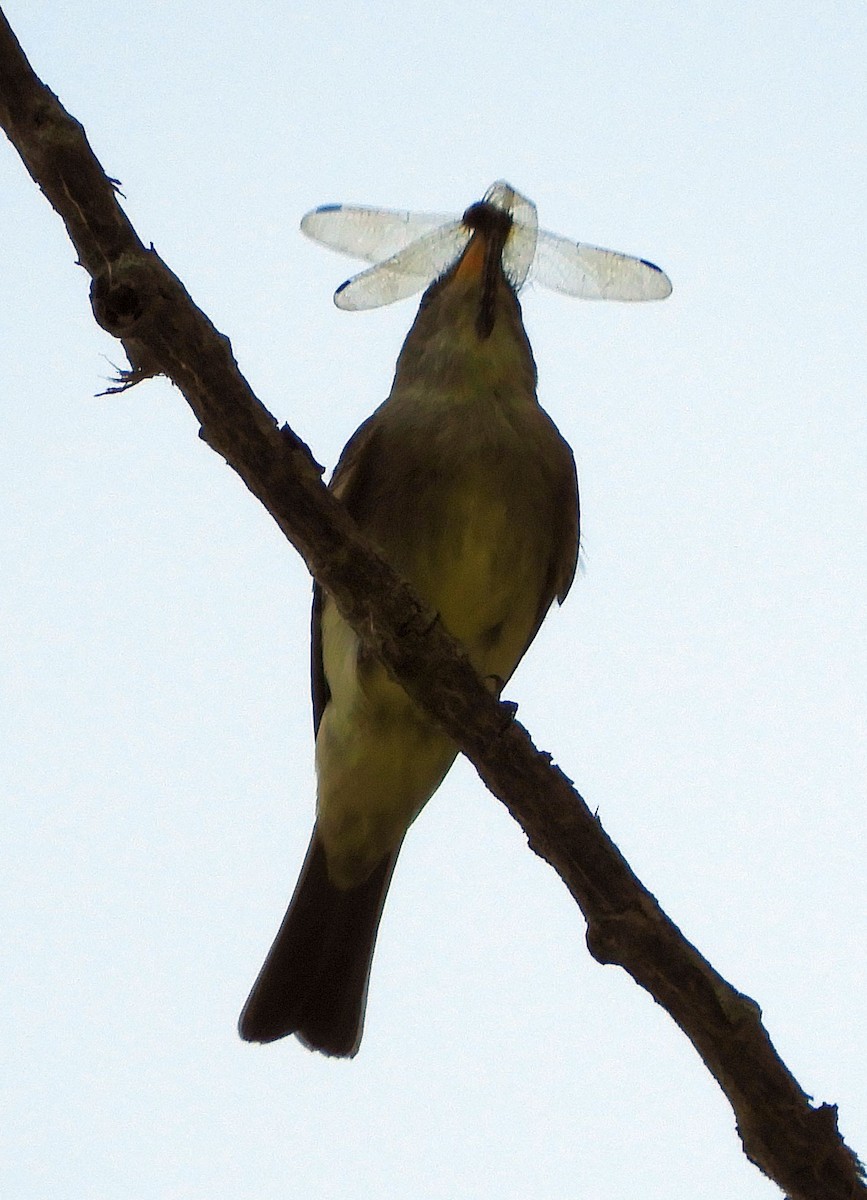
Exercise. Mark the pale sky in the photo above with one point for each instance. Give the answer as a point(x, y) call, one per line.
point(704, 684)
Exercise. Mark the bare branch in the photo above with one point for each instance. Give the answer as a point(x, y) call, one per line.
point(138, 299)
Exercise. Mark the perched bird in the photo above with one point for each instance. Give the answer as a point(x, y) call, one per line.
point(467, 488)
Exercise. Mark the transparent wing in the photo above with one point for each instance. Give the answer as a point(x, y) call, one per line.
point(596, 274)
point(407, 272)
point(520, 248)
point(371, 234)
point(411, 249)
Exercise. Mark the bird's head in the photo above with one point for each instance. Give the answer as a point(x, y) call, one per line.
point(470, 318)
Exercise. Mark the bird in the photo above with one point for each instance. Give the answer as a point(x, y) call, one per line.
point(465, 485)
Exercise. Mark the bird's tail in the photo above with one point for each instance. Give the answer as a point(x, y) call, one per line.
point(314, 981)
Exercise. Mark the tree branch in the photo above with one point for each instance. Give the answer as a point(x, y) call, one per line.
point(138, 300)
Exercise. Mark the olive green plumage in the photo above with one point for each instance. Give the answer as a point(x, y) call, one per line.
point(465, 485)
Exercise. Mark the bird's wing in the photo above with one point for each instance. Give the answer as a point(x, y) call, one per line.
point(349, 484)
point(319, 689)
point(565, 559)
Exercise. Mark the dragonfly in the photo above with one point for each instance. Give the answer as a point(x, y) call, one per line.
point(409, 250)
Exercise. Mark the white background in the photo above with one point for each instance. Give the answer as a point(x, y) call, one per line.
point(704, 683)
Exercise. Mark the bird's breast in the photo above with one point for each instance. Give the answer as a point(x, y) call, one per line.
point(466, 516)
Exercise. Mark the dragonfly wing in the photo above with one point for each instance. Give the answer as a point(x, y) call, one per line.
point(520, 249)
point(407, 272)
point(596, 274)
point(371, 234)
point(411, 249)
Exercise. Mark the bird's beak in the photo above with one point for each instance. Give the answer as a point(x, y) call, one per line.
point(483, 259)
point(472, 261)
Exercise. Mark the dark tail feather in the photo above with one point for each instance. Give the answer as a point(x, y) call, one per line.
point(314, 980)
